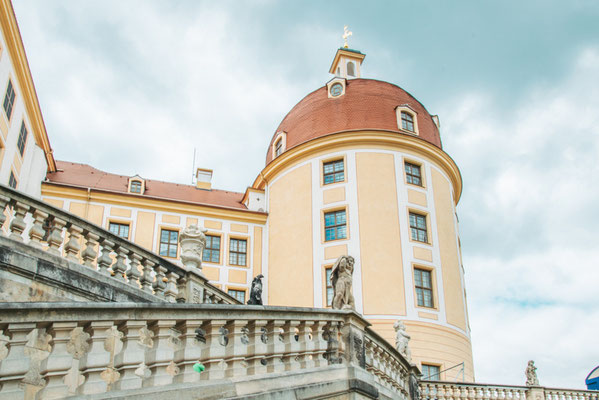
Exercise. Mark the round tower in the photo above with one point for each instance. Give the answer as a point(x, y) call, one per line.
point(357, 167)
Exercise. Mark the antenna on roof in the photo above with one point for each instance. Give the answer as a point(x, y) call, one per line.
point(193, 167)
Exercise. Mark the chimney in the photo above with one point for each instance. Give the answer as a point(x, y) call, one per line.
point(204, 179)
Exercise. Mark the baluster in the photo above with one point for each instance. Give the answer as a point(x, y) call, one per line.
point(90, 253)
point(105, 261)
point(72, 246)
point(440, 392)
point(193, 339)
point(3, 203)
point(18, 224)
point(37, 349)
point(213, 354)
point(276, 346)
point(161, 362)
point(236, 349)
point(472, 393)
point(130, 360)
point(159, 284)
point(291, 358)
point(55, 237)
point(120, 266)
point(480, 392)
point(36, 233)
point(501, 393)
point(97, 360)
point(171, 287)
point(147, 278)
point(59, 363)
point(302, 344)
point(134, 273)
point(14, 367)
point(257, 347)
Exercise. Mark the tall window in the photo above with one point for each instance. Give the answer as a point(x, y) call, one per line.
point(9, 100)
point(335, 225)
point(22, 139)
point(121, 230)
point(279, 147)
point(212, 249)
point(168, 243)
point(329, 286)
point(431, 372)
point(418, 227)
point(333, 172)
point(238, 294)
point(407, 121)
point(237, 252)
point(413, 174)
point(424, 287)
point(12, 181)
point(135, 187)
point(351, 69)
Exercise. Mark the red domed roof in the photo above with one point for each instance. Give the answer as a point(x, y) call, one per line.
point(366, 104)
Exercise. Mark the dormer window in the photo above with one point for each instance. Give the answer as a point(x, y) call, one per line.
point(407, 121)
point(278, 146)
point(137, 185)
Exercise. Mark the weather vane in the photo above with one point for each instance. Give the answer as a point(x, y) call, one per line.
point(346, 34)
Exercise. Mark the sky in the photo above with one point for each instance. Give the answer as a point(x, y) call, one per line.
point(132, 87)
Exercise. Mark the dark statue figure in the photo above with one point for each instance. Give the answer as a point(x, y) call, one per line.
point(256, 291)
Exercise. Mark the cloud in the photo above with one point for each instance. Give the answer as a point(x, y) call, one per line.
point(528, 219)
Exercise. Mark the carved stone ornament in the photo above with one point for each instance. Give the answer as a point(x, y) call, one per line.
point(531, 374)
point(402, 340)
point(38, 348)
point(193, 242)
point(143, 371)
point(341, 279)
point(73, 379)
point(256, 291)
point(172, 369)
point(146, 337)
point(78, 345)
point(110, 376)
point(4, 341)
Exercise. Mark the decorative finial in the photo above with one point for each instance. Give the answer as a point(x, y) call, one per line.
point(346, 34)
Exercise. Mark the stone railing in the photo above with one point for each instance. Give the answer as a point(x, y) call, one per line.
point(65, 235)
point(55, 350)
point(438, 390)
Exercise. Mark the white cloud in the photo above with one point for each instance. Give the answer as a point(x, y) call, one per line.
point(529, 226)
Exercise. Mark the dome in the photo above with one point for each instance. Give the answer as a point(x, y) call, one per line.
point(366, 104)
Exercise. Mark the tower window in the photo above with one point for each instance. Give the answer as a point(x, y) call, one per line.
point(407, 121)
point(169, 243)
point(121, 230)
point(418, 227)
point(413, 174)
point(335, 225)
point(237, 252)
point(212, 249)
point(329, 286)
point(22, 139)
point(351, 69)
point(9, 99)
point(431, 372)
point(424, 287)
point(333, 172)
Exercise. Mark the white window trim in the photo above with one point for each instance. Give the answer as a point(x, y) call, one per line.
point(281, 136)
point(407, 109)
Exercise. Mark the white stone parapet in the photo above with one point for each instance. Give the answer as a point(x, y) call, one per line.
point(55, 350)
point(67, 237)
point(439, 390)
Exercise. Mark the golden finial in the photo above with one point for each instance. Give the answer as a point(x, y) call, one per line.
point(346, 34)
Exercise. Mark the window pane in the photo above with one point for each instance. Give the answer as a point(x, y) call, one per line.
point(329, 219)
point(342, 232)
point(328, 168)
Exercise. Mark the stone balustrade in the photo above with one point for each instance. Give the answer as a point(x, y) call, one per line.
point(55, 350)
point(438, 390)
point(62, 234)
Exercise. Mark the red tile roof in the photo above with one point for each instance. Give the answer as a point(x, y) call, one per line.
point(86, 176)
point(367, 104)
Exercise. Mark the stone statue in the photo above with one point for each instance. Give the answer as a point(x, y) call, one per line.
point(531, 374)
point(402, 339)
point(256, 291)
point(192, 241)
point(341, 278)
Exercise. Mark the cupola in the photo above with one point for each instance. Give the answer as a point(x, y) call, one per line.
point(347, 62)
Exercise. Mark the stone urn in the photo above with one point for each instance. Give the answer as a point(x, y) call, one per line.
point(192, 241)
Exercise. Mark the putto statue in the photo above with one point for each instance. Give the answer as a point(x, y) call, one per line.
point(531, 374)
point(192, 241)
point(256, 291)
point(341, 279)
point(402, 339)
